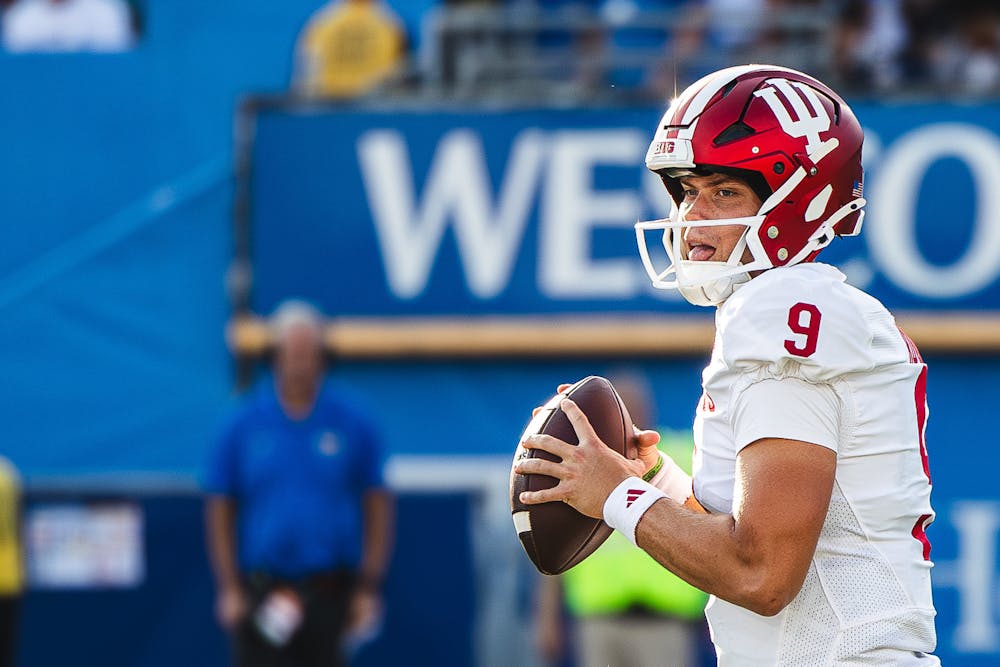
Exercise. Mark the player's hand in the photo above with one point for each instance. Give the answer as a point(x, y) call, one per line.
point(230, 607)
point(643, 447)
point(587, 473)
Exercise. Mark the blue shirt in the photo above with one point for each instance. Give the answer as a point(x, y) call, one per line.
point(297, 484)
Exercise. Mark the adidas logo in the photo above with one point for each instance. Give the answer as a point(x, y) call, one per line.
point(633, 495)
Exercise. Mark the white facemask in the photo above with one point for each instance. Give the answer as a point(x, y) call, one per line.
point(702, 283)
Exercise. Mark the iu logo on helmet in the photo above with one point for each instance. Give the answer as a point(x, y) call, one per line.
point(809, 120)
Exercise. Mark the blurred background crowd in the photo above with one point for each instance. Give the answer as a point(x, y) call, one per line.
point(590, 50)
point(646, 48)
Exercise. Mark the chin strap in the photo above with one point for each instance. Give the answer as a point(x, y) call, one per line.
point(715, 292)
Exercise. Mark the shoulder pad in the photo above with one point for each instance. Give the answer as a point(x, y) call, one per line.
point(801, 321)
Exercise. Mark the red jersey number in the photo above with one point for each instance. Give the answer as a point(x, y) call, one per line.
point(803, 319)
point(920, 399)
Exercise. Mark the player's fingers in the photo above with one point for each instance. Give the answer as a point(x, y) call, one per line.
point(549, 444)
point(645, 438)
point(550, 404)
point(543, 496)
point(537, 466)
point(581, 425)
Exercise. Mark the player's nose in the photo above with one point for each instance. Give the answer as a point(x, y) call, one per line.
point(695, 209)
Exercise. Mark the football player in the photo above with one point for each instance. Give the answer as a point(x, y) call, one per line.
point(806, 516)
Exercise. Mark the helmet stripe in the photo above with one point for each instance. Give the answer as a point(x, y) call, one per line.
point(713, 83)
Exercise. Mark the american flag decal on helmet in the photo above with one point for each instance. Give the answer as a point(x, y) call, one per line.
point(859, 189)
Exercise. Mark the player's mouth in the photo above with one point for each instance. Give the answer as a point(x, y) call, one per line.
point(700, 252)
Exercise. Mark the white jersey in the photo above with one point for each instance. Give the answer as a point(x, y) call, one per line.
point(799, 354)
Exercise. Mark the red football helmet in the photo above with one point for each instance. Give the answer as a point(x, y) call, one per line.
point(791, 139)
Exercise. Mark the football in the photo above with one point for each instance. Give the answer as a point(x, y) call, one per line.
point(554, 535)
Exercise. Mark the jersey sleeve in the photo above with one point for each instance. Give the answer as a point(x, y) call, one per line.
point(790, 408)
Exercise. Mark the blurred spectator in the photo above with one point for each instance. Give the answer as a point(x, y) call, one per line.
point(718, 27)
point(926, 22)
point(790, 30)
point(639, 34)
point(462, 38)
point(919, 46)
point(348, 48)
point(870, 36)
point(711, 34)
point(298, 519)
point(628, 611)
point(11, 563)
point(54, 26)
point(970, 62)
point(589, 48)
point(579, 51)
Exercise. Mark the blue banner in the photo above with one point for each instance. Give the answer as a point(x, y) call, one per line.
point(528, 212)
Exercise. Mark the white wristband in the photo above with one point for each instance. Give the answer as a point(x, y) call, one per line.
point(672, 480)
point(627, 503)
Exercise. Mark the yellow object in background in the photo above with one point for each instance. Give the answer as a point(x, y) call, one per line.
point(350, 48)
point(11, 565)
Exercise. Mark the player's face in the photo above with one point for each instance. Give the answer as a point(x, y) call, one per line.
point(715, 197)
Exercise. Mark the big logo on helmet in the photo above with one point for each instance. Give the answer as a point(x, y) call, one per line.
point(664, 147)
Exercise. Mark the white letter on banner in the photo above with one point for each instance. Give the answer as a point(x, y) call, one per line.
point(458, 189)
point(973, 575)
point(891, 235)
point(571, 208)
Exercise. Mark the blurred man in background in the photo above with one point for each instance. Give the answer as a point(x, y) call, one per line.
point(628, 610)
point(299, 522)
